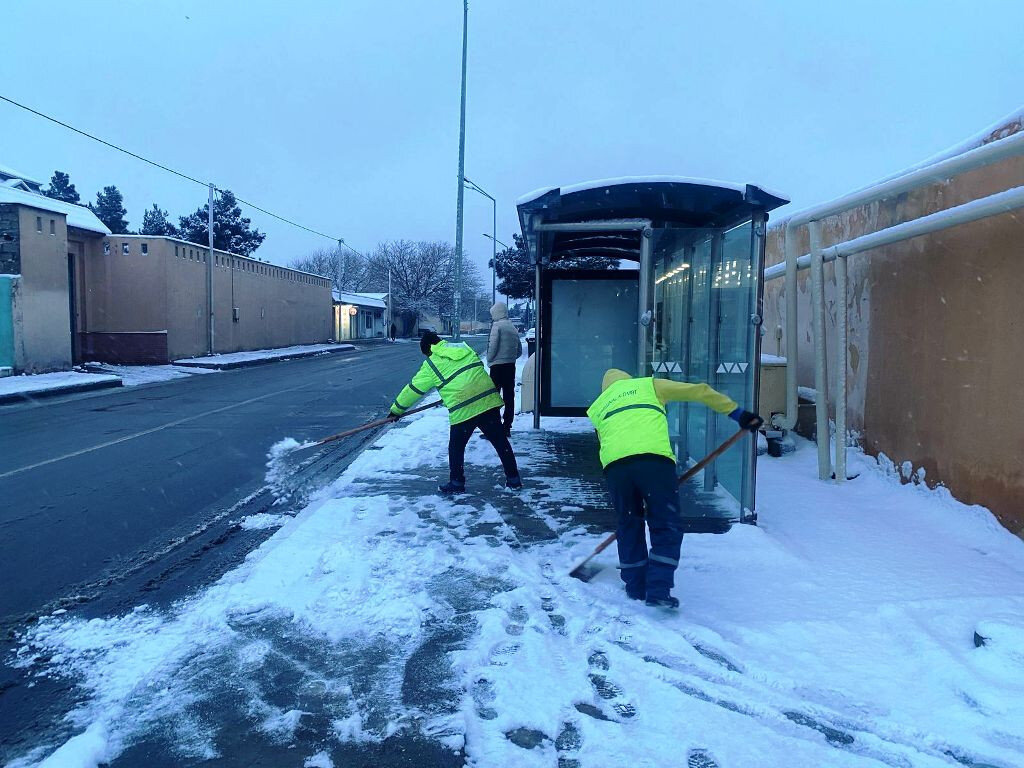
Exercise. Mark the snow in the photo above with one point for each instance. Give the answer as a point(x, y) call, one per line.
point(50, 382)
point(767, 359)
point(839, 632)
point(77, 215)
point(808, 393)
point(598, 183)
point(6, 170)
point(134, 375)
point(280, 353)
point(374, 300)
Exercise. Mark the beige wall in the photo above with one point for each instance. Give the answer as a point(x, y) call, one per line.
point(166, 290)
point(42, 319)
point(936, 344)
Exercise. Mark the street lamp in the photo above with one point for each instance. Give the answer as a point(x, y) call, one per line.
point(462, 168)
point(494, 238)
point(494, 263)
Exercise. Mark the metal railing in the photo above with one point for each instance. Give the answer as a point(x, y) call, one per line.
point(977, 209)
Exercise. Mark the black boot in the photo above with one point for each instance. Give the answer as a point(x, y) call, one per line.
point(514, 483)
point(663, 602)
point(452, 488)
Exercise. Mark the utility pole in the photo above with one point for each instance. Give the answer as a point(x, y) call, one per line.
point(462, 167)
point(209, 278)
point(391, 317)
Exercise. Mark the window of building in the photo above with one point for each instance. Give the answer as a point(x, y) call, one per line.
point(145, 248)
point(125, 249)
point(53, 227)
point(39, 223)
point(106, 248)
point(176, 250)
point(368, 321)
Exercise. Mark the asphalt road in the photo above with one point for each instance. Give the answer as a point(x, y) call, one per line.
point(101, 491)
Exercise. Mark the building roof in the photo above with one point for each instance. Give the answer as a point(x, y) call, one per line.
point(360, 299)
point(77, 215)
point(11, 173)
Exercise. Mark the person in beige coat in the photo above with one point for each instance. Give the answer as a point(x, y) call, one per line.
point(503, 349)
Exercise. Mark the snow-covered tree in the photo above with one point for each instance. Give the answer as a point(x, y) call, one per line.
point(231, 230)
point(109, 208)
point(516, 272)
point(61, 188)
point(155, 222)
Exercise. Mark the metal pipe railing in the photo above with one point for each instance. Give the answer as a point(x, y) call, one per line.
point(993, 205)
point(944, 169)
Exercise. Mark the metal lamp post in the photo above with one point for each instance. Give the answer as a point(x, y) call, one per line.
point(462, 168)
point(494, 262)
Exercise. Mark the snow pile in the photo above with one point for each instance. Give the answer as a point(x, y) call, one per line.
point(279, 470)
point(51, 382)
point(280, 353)
point(872, 623)
point(262, 521)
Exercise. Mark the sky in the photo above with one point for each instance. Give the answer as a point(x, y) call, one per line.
point(343, 115)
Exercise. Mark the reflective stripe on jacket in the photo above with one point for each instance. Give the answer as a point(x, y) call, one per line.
point(630, 420)
point(459, 377)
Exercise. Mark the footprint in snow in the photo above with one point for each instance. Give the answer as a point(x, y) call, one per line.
point(517, 618)
point(483, 695)
point(700, 758)
point(606, 689)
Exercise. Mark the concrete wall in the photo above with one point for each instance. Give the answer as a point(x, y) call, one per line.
point(41, 316)
point(165, 290)
point(935, 344)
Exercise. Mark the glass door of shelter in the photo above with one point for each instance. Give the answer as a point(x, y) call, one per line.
point(706, 294)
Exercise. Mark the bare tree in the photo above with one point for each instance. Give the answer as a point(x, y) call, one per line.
point(422, 277)
point(346, 269)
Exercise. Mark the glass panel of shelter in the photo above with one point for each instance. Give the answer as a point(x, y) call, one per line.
point(704, 295)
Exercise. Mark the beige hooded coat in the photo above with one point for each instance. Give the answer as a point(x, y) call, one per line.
point(504, 345)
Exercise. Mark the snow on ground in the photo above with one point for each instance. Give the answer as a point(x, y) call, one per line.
point(839, 632)
point(48, 382)
point(279, 353)
point(133, 375)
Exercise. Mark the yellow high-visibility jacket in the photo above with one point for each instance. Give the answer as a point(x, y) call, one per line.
point(630, 417)
point(459, 377)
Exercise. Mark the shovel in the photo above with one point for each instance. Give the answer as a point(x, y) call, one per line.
point(583, 573)
point(364, 427)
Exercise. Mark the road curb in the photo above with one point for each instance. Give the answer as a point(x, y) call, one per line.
point(61, 389)
point(199, 362)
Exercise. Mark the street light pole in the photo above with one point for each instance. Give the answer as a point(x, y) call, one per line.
point(495, 242)
point(209, 278)
point(462, 168)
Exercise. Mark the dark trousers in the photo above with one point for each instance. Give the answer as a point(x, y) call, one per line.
point(504, 377)
point(488, 423)
point(631, 482)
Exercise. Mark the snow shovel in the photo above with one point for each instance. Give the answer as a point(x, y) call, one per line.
point(583, 573)
point(370, 425)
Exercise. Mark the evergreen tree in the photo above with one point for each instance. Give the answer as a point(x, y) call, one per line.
point(155, 222)
point(61, 188)
point(232, 231)
point(109, 208)
point(516, 273)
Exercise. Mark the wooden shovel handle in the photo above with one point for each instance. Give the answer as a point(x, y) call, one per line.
point(711, 456)
point(372, 424)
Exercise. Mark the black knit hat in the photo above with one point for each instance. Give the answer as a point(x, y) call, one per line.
point(427, 340)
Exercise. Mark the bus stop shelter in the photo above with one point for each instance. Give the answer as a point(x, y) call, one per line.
point(683, 303)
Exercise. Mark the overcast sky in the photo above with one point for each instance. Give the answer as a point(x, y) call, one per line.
point(343, 114)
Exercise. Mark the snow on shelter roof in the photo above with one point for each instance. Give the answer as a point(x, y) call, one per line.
point(77, 215)
point(621, 180)
point(360, 299)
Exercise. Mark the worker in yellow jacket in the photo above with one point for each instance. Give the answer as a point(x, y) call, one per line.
point(640, 466)
point(472, 400)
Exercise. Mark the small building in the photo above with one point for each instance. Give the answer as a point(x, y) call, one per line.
point(360, 315)
point(43, 245)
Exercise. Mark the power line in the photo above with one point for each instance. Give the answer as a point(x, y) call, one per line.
point(170, 170)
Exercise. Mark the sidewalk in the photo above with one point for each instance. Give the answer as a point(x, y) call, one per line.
point(230, 360)
point(386, 620)
point(15, 389)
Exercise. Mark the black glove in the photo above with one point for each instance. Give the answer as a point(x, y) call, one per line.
point(746, 419)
